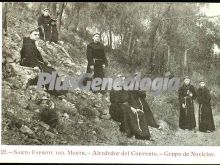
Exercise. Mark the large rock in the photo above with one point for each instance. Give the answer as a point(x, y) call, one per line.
point(26, 129)
point(89, 112)
point(50, 134)
point(66, 107)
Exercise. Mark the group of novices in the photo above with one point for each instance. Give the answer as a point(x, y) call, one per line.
point(130, 108)
point(187, 95)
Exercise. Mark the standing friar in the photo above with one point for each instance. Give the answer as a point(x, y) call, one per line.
point(206, 121)
point(47, 27)
point(96, 57)
point(187, 95)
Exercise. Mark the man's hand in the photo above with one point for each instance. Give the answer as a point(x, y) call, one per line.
point(183, 105)
point(36, 68)
point(92, 67)
point(133, 109)
point(190, 95)
point(105, 65)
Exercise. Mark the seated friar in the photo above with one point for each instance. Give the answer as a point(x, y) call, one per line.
point(31, 57)
point(127, 110)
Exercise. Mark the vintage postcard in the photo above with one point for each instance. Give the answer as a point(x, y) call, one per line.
point(101, 82)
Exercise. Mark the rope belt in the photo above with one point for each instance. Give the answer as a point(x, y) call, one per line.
point(136, 112)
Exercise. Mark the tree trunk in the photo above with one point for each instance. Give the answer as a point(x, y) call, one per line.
point(39, 9)
point(185, 58)
point(110, 39)
point(151, 41)
point(53, 9)
point(168, 57)
point(61, 9)
point(154, 27)
point(77, 17)
point(5, 10)
point(133, 47)
point(185, 62)
point(130, 41)
point(121, 38)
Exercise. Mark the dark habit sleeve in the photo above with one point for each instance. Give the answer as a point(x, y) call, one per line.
point(89, 55)
point(105, 58)
point(181, 97)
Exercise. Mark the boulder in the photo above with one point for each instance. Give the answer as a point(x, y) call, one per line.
point(46, 126)
point(50, 134)
point(106, 117)
point(26, 129)
point(89, 112)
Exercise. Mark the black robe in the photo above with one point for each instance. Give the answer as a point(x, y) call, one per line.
point(48, 29)
point(31, 57)
point(133, 124)
point(139, 128)
point(96, 57)
point(187, 115)
point(140, 97)
point(206, 121)
point(117, 98)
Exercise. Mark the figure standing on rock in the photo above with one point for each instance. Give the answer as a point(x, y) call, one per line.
point(206, 121)
point(96, 57)
point(187, 95)
point(47, 27)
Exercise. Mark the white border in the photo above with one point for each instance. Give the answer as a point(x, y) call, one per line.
point(90, 158)
point(10, 157)
point(1, 71)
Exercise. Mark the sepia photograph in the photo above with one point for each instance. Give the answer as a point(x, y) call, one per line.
point(110, 74)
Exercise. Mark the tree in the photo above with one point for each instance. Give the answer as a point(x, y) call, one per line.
point(5, 10)
point(53, 9)
point(62, 6)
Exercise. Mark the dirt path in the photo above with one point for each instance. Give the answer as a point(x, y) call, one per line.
point(184, 137)
point(191, 138)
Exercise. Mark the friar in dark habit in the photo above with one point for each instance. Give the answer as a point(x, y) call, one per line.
point(140, 97)
point(96, 57)
point(187, 95)
point(47, 27)
point(206, 121)
point(118, 100)
point(31, 57)
point(129, 113)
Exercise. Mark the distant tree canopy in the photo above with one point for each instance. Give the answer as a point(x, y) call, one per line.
point(159, 36)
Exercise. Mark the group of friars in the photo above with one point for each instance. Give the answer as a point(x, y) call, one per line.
point(129, 108)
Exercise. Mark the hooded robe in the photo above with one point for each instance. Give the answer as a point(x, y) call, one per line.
point(187, 115)
point(48, 29)
point(96, 57)
point(206, 121)
point(31, 57)
point(133, 123)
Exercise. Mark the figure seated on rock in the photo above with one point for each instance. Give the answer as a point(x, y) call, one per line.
point(31, 57)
